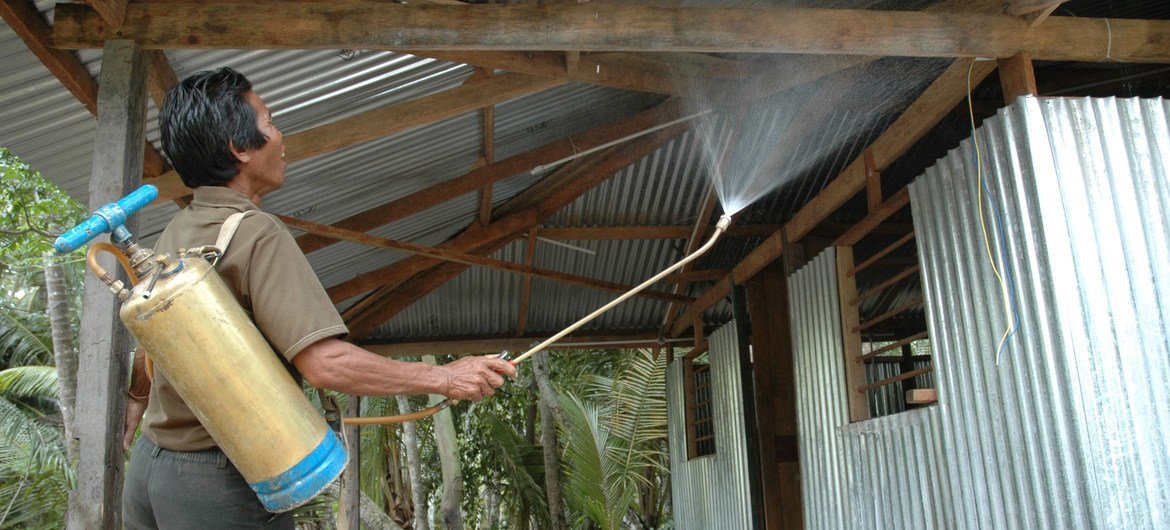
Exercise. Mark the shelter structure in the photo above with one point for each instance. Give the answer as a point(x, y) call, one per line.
point(470, 177)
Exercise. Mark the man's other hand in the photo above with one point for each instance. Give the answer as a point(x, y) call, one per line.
point(475, 378)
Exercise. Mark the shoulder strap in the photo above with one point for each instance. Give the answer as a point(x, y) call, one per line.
point(228, 230)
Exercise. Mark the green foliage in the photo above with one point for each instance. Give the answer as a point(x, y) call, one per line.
point(35, 475)
point(31, 210)
point(615, 445)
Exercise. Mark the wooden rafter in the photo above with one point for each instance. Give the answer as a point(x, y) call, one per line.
point(389, 120)
point(948, 90)
point(620, 233)
point(454, 256)
point(384, 25)
point(544, 198)
point(487, 175)
point(526, 289)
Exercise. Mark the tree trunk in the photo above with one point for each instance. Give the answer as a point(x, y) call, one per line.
point(448, 444)
point(63, 348)
point(418, 491)
point(372, 516)
point(491, 509)
point(550, 415)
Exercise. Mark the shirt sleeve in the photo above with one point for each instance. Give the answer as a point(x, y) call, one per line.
point(289, 305)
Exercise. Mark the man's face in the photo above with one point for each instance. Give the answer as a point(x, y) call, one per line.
point(264, 167)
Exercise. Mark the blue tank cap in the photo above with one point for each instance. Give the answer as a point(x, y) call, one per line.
point(305, 479)
point(106, 219)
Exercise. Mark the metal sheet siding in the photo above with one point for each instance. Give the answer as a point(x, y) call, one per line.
point(711, 492)
point(1070, 429)
point(820, 391)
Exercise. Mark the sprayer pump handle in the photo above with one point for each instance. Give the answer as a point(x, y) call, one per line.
point(105, 219)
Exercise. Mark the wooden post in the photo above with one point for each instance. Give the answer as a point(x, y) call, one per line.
point(105, 343)
point(1017, 78)
point(850, 339)
point(350, 499)
point(775, 386)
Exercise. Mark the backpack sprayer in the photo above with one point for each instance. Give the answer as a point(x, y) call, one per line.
point(195, 331)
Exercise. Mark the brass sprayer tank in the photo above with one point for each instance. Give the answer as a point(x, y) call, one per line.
point(195, 331)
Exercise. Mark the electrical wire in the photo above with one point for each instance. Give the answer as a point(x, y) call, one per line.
point(1006, 282)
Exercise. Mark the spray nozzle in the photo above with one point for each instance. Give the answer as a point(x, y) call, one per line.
point(108, 218)
point(724, 222)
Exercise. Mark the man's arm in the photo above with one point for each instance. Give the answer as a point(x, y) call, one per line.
point(138, 396)
point(337, 365)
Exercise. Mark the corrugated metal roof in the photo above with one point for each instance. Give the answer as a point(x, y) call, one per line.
point(43, 123)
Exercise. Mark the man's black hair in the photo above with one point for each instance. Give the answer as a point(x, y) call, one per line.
point(202, 117)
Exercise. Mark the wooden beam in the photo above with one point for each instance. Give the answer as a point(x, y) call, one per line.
point(548, 196)
point(454, 256)
point(876, 217)
point(471, 240)
point(696, 276)
point(489, 156)
point(526, 289)
point(850, 337)
point(105, 345)
point(321, 25)
point(27, 23)
point(444, 191)
point(775, 396)
point(873, 181)
point(1017, 78)
point(935, 103)
point(622, 233)
point(702, 225)
point(922, 396)
point(162, 76)
point(389, 120)
point(112, 11)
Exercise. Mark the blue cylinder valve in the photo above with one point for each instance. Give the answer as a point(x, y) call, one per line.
point(108, 218)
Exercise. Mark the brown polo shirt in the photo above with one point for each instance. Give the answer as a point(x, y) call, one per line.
point(271, 279)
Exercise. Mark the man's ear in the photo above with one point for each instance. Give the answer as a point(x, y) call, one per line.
point(242, 156)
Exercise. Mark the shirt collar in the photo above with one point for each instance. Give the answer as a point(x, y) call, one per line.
point(222, 197)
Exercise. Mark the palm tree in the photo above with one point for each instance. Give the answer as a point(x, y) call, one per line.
point(35, 473)
point(615, 447)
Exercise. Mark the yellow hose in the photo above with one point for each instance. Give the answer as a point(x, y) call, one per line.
point(91, 260)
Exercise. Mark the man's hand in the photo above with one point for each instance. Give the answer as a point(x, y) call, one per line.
point(474, 378)
point(134, 410)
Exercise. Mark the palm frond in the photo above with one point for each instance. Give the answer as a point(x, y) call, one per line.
point(29, 381)
point(598, 487)
point(24, 338)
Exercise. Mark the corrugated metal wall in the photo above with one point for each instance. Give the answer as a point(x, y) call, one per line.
point(820, 391)
point(1071, 429)
point(711, 492)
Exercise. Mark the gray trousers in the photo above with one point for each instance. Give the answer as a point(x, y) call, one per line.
point(196, 490)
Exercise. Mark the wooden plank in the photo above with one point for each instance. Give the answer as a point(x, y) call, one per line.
point(27, 23)
point(876, 217)
point(775, 395)
point(471, 346)
point(620, 233)
point(444, 191)
point(702, 224)
point(882, 254)
point(850, 337)
point(384, 25)
point(894, 346)
point(861, 390)
point(489, 156)
point(162, 76)
point(882, 286)
point(887, 315)
point(1017, 78)
point(935, 103)
point(922, 396)
point(385, 121)
point(105, 345)
point(526, 289)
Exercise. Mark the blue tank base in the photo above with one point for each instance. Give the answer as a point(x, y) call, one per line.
point(306, 479)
